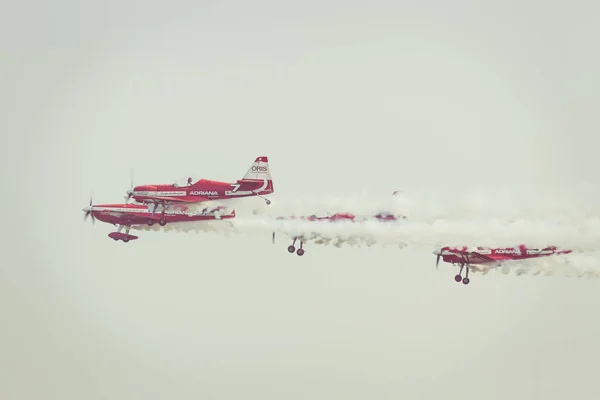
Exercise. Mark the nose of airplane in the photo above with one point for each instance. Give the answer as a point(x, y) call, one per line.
point(88, 212)
point(437, 251)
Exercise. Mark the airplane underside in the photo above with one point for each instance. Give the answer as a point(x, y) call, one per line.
point(482, 268)
point(125, 237)
point(458, 277)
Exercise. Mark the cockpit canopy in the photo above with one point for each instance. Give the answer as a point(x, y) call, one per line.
point(183, 182)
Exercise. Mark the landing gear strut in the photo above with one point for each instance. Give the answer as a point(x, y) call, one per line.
point(292, 249)
point(125, 237)
point(459, 278)
point(265, 199)
point(163, 220)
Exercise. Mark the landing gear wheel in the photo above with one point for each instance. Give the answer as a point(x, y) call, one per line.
point(291, 248)
point(150, 222)
point(458, 278)
point(162, 222)
point(466, 281)
point(268, 201)
point(115, 239)
point(125, 240)
point(300, 252)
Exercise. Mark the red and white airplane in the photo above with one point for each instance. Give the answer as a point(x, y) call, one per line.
point(256, 182)
point(338, 217)
point(482, 258)
point(128, 215)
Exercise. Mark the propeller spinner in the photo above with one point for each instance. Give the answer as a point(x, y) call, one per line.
point(438, 252)
point(88, 211)
point(129, 191)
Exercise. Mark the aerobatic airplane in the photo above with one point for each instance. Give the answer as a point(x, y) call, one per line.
point(128, 215)
point(482, 258)
point(257, 182)
point(334, 218)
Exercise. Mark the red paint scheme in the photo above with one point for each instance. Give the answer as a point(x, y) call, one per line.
point(139, 215)
point(256, 182)
point(128, 215)
point(465, 256)
point(121, 236)
point(382, 216)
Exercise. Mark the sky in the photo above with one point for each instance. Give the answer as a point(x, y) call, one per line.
point(346, 99)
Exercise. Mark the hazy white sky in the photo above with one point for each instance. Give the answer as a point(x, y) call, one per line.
point(343, 97)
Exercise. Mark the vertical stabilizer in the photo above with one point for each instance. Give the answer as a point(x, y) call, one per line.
point(259, 170)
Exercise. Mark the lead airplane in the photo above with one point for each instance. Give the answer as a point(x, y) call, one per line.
point(482, 258)
point(257, 182)
point(128, 215)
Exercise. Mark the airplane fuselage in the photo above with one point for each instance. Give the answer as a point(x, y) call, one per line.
point(135, 214)
point(458, 255)
point(204, 190)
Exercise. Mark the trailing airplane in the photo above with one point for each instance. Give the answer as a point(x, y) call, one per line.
point(334, 218)
point(482, 258)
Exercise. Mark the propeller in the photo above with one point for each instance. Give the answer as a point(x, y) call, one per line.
point(129, 191)
point(88, 211)
point(437, 252)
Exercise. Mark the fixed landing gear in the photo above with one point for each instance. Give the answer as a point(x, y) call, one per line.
point(266, 200)
point(291, 248)
point(459, 278)
point(127, 229)
point(125, 237)
point(163, 220)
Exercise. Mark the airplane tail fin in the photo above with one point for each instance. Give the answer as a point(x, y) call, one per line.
point(259, 170)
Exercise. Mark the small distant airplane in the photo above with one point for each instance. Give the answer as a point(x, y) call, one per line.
point(257, 182)
point(338, 217)
point(477, 257)
point(128, 215)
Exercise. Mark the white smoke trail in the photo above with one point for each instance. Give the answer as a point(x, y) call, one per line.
point(568, 217)
point(584, 236)
point(497, 216)
point(578, 264)
point(224, 227)
point(526, 202)
point(456, 201)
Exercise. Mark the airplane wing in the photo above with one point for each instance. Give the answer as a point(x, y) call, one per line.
point(483, 269)
point(175, 199)
point(130, 215)
point(473, 257)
